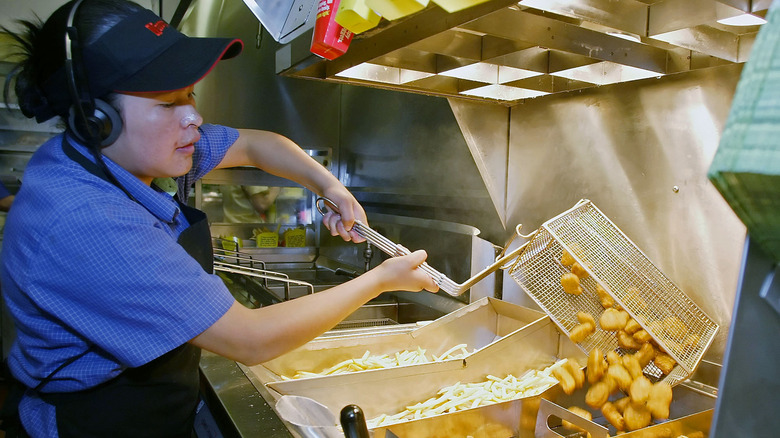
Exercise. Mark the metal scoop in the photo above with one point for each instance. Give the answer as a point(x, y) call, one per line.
point(308, 417)
point(394, 250)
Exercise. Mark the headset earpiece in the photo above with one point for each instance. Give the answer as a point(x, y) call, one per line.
point(93, 121)
point(101, 127)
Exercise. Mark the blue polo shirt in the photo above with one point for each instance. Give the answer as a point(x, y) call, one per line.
point(87, 269)
point(4, 191)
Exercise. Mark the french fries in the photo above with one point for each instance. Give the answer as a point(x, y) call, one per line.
point(461, 396)
point(374, 362)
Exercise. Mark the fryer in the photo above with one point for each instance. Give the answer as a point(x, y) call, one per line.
point(534, 346)
point(511, 339)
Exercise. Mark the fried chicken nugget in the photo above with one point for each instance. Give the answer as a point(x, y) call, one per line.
point(636, 416)
point(576, 372)
point(568, 384)
point(613, 357)
point(656, 327)
point(613, 320)
point(659, 399)
point(621, 404)
point(605, 299)
point(620, 374)
point(611, 383)
point(585, 317)
point(674, 327)
point(664, 362)
point(597, 395)
point(645, 355)
point(597, 366)
point(567, 259)
point(579, 271)
point(632, 326)
point(579, 412)
point(640, 389)
point(631, 363)
point(580, 332)
point(634, 300)
point(642, 336)
point(691, 342)
point(672, 345)
point(613, 416)
point(627, 341)
point(571, 284)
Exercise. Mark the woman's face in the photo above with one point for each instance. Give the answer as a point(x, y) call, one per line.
point(158, 133)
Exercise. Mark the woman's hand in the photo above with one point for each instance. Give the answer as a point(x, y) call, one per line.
point(340, 224)
point(404, 274)
point(280, 156)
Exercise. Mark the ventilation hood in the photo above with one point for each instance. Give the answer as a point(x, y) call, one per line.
point(505, 51)
point(284, 20)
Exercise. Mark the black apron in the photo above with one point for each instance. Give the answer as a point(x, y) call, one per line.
point(157, 399)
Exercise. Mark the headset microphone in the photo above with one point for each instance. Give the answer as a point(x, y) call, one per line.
point(93, 121)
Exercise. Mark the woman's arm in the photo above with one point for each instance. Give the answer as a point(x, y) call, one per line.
point(280, 156)
point(253, 336)
point(5, 203)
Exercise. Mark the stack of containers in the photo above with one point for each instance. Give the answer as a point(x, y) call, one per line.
point(338, 20)
point(457, 5)
point(395, 9)
point(330, 40)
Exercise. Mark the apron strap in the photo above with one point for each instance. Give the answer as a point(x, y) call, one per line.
point(91, 167)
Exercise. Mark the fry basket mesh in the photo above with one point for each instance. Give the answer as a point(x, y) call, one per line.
point(625, 273)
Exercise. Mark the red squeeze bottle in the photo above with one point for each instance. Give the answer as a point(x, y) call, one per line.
point(330, 39)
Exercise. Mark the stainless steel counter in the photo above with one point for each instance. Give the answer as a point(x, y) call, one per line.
point(239, 407)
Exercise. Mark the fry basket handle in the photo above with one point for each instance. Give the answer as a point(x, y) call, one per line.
point(326, 203)
point(548, 409)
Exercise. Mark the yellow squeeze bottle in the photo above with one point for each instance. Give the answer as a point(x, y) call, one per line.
point(394, 9)
point(456, 5)
point(356, 16)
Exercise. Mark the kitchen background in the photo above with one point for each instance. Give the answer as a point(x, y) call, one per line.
point(639, 149)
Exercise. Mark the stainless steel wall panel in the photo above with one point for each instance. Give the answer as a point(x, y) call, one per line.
point(405, 154)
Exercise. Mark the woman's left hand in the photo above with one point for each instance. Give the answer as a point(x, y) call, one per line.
point(340, 224)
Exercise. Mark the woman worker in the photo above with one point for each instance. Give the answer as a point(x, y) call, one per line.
point(107, 276)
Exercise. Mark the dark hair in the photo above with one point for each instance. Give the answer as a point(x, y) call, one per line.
point(41, 47)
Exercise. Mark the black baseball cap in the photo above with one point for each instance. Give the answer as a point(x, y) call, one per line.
point(141, 53)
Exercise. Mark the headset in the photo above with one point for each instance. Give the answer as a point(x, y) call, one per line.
point(93, 121)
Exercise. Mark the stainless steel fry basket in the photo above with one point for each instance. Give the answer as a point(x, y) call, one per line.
point(674, 322)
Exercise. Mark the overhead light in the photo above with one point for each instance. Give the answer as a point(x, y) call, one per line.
point(605, 72)
point(381, 73)
point(478, 71)
point(743, 20)
point(503, 92)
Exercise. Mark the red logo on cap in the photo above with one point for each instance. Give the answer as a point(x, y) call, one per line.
point(157, 28)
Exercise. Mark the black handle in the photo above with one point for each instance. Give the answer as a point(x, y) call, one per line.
point(354, 422)
point(346, 273)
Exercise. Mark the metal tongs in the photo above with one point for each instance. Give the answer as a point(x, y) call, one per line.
point(395, 250)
